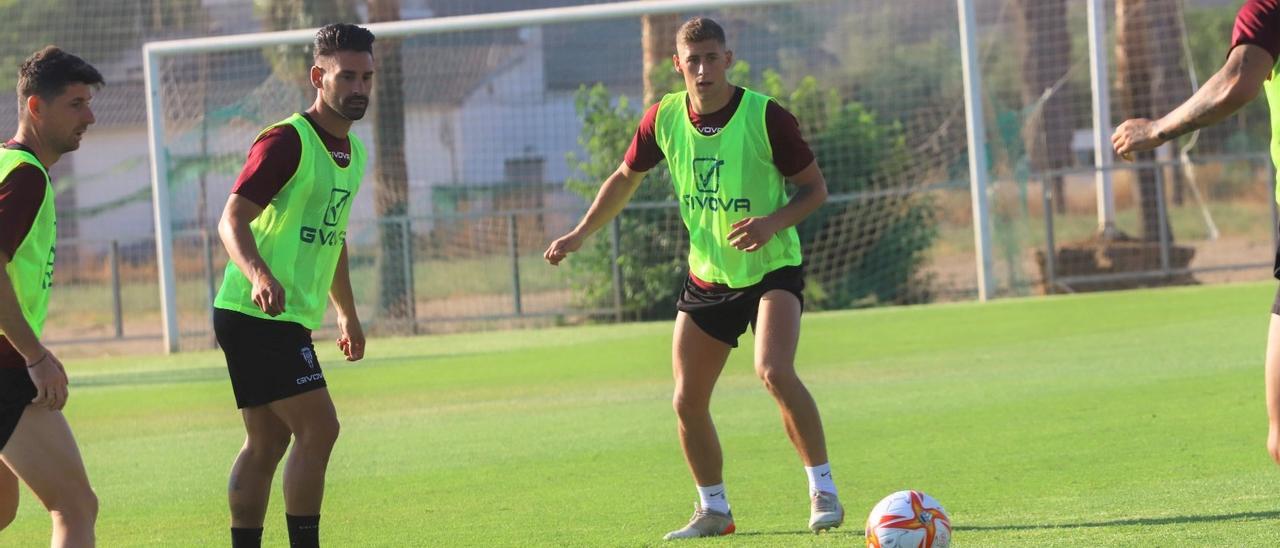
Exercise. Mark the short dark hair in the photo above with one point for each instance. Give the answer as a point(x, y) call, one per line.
point(335, 37)
point(700, 29)
point(49, 71)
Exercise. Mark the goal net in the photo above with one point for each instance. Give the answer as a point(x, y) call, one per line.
point(488, 135)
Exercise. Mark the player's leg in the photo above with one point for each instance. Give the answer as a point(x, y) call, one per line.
point(1272, 383)
point(697, 359)
point(314, 423)
point(777, 335)
point(249, 488)
point(16, 393)
point(42, 451)
point(8, 496)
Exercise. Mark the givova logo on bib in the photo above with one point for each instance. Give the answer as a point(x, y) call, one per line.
point(339, 198)
point(46, 281)
point(706, 178)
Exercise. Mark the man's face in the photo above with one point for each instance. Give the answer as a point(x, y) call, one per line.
point(345, 80)
point(63, 119)
point(703, 65)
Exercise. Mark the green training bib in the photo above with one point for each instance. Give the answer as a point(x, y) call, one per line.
point(301, 232)
point(31, 267)
point(723, 178)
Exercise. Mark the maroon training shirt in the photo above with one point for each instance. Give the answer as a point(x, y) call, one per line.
point(20, 199)
point(791, 154)
point(274, 158)
point(1258, 23)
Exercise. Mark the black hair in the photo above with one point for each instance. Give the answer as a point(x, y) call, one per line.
point(49, 71)
point(336, 37)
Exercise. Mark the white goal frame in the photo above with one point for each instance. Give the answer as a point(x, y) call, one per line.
point(154, 52)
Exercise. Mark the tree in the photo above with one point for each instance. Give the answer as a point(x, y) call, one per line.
point(1150, 81)
point(289, 63)
point(658, 43)
point(391, 175)
point(98, 31)
point(1046, 58)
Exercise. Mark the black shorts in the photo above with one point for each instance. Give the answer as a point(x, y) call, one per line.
point(16, 393)
point(726, 314)
point(268, 360)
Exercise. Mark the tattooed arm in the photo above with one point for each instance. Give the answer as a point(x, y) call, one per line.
point(1231, 88)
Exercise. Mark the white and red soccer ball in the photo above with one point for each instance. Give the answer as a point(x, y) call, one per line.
point(908, 519)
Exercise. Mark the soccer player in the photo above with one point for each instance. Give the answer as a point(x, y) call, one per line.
point(36, 444)
point(1251, 65)
point(730, 151)
point(284, 227)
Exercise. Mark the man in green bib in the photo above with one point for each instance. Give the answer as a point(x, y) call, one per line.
point(284, 227)
point(36, 444)
point(1252, 65)
point(731, 152)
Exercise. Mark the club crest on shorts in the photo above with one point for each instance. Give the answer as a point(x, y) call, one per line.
point(309, 357)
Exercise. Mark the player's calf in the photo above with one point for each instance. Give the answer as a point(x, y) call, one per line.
point(778, 380)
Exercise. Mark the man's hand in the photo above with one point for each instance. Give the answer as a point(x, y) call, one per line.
point(268, 294)
point(562, 247)
point(1135, 135)
point(51, 381)
point(351, 338)
point(752, 233)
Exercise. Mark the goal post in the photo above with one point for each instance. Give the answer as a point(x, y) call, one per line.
point(154, 52)
point(511, 120)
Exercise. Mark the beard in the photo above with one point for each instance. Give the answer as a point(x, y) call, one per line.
point(72, 142)
point(353, 107)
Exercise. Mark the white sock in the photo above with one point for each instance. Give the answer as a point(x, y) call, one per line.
point(820, 478)
point(712, 497)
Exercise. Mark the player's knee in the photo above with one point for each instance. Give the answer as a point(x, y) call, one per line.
point(76, 510)
point(266, 449)
point(319, 434)
point(687, 406)
point(777, 379)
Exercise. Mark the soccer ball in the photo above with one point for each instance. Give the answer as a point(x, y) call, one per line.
point(908, 519)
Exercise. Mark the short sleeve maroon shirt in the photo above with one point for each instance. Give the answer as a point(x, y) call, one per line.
point(1258, 23)
point(274, 158)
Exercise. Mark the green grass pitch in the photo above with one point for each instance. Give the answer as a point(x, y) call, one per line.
point(1123, 419)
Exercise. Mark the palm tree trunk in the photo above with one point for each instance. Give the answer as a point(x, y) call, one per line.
point(658, 42)
point(391, 175)
point(1135, 80)
point(1046, 57)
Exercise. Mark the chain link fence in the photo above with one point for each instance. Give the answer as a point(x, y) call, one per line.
point(506, 132)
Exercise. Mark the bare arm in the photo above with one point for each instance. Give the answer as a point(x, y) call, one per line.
point(340, 293)
point(613, 196)
point(351, 334)
point(45, 370)
point(236, 236)
point(1229, 89)
point(752, 233)
point(12, 322)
